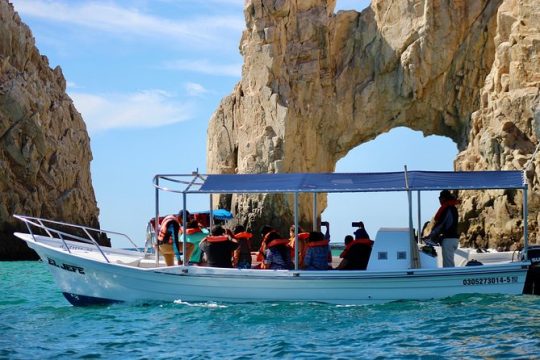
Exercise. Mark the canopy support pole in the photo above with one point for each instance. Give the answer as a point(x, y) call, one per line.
point(211, 220)
point(315, 227)
point(419, 234)
point(184, 228)
point(156, 225)
point(525, 224)
point(415, 261)
point(296, 231)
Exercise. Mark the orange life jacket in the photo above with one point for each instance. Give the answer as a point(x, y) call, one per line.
point(244, 241)
point(277, 242)
point(301, 237)
point(216, 239)
point(162, 236)
point(367, 242)
point(243, 235)
point(192, 231)
point(318, 243)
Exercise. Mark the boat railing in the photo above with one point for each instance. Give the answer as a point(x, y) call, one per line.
point(78, 233)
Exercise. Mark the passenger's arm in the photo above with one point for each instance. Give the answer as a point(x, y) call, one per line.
point(343, 264)
point(268, 258)
point(327, 232)
point(203, 245)
point(236, 257)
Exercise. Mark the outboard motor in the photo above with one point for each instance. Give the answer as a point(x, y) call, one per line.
point(532, 282)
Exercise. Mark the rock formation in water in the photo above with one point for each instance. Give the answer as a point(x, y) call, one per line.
point(316, 84)
point(44, 146)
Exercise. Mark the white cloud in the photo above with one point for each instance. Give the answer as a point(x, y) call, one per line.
point(111, 18)
point(195, 89)
point(150, 108)
point(71, 85)
point(205, 67)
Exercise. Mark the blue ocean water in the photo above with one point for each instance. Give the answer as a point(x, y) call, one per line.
point(36, 322)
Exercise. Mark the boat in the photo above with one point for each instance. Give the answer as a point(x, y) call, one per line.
point(399, 268)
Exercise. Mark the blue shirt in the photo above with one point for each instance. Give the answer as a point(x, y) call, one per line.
point(316, 258)
point(275, 260)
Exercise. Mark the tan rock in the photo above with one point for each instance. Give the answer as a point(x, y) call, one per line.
point(468, 70)
point(44, 146)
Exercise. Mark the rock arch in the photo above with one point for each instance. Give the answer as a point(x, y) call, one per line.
point(387, 152)
point(316, 84)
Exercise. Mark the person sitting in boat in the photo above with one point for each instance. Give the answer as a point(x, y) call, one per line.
point(445, 230)
point(168, 239)
point(218, 248)
point(356, 254)
point(360, 232)
point(265, 230)
point(302, 240)
point(326, 224)
point(317, 253)
point(194, 235)
point(242, 255)
point(277, 253)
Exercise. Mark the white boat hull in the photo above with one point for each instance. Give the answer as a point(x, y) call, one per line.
point(86, 278)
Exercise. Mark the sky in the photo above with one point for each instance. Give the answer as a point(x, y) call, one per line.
point(146, 75)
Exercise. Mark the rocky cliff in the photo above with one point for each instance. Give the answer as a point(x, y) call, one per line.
point(467, 70)
point(44, 146)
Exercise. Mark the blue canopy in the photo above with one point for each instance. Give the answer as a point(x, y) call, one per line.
point(362, 182)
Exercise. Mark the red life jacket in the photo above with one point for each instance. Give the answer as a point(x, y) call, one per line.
point(244, 241)
point(301, 237)
point(367, 242)
point(192, 231)
point(444, 206)
point(277, 242)
point(243, 235)
point(216, 239)
point(162, 236)
point(318, 243)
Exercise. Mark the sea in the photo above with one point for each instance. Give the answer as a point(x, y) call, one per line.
point(36, 322)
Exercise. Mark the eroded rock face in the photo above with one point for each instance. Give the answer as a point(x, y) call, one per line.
point(44, 146)
point(317, 84)
point(505, 129)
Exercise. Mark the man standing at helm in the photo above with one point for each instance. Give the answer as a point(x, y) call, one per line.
point(445, 229)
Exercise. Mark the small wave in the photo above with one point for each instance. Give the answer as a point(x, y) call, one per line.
point(210, 305)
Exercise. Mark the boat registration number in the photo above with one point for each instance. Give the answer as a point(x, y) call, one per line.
point(491, 280)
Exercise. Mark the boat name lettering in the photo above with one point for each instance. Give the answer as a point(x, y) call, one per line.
point(491, 280)
point(73, 247)
point(67, 267)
